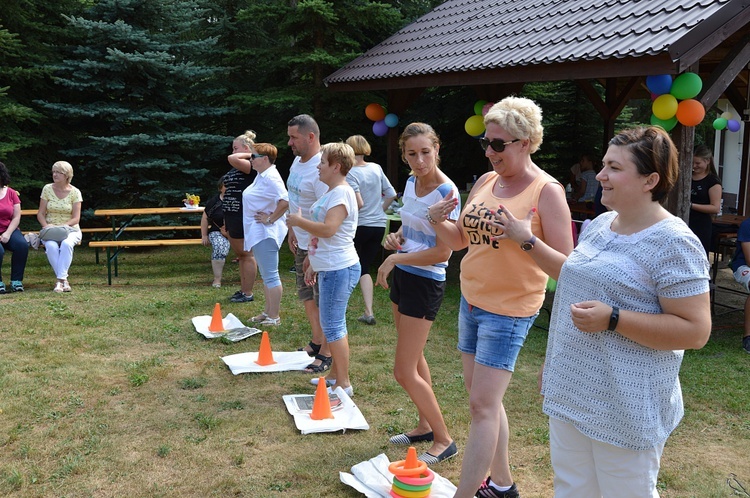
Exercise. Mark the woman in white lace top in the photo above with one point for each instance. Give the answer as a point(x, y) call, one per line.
point(630, 298)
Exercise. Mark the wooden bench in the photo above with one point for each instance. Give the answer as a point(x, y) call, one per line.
point(118, 245)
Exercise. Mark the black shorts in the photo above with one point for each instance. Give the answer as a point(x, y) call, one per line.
point(367, 242)
point(415, 296)
point(233, 223)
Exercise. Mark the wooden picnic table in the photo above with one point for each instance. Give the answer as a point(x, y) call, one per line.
point(121, 221)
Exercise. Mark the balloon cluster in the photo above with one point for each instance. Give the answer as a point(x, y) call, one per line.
point(726, 121)
point(474, 126)
point(665, 93)
point(382, 120)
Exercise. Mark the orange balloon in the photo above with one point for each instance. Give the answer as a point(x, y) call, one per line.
point(690, 112)
point(375, 112)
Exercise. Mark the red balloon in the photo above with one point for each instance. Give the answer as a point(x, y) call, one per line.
point(375, 112)
point(690, 112)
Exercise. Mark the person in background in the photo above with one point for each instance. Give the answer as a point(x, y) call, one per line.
point(11, 238)
point(705, 195)
point(503, 280)
point(587, 183)
point(418, 285)
point(212, 223)
point(60, 204)
point(630, 298)
point(374, 194)
point(741, 271)
point(236, 181)
point(264, 205)
point(305, 188)
point(333, 260)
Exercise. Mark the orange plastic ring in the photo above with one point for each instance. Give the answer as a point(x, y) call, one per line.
point(397, 469)
point(418, 481)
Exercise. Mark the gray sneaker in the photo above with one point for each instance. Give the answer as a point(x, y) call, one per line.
point(746, 343)
point(241, 297)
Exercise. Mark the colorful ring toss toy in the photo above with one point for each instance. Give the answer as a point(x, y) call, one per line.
point(399, 470)
point(411, 477)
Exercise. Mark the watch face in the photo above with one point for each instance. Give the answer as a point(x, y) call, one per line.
point(526, 246)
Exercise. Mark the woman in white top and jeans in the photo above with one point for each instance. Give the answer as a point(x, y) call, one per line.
point(332, 225)
point(264, 205)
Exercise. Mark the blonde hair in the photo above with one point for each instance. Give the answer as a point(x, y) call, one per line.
point(520, 117)
point(339, 153)
point(65, 168)
point(414, 130)
point(360, 145)
point(247, 139)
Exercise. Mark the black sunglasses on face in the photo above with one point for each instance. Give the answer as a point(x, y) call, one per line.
point(497, 145)
point(256, 156)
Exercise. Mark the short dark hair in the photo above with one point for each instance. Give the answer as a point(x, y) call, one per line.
point(653, 152)
point(305, 123)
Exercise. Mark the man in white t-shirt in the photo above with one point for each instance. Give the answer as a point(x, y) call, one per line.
point(305, 188)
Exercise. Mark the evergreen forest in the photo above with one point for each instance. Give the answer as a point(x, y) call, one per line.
point(144, 97)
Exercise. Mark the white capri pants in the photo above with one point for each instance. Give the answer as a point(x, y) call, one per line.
point(586, 468)
point(60, 255)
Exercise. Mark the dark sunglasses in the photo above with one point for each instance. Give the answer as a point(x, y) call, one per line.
point(497, 145)
point(256, 156)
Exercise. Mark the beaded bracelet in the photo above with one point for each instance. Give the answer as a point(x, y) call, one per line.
point(431, 219)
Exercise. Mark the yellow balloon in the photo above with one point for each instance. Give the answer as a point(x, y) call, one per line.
point(474, 126)
point(665, 106)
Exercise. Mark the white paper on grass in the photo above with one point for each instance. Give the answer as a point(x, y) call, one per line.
point(372, 479)
point(201, 324)
point(285, 361)
point(348, 417)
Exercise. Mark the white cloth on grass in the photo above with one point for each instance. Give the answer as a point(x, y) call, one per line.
point(201, 324)
point(285, 361)
point(347, 417)
point(372, 479)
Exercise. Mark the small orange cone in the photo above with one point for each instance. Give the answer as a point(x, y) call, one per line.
point(265, 356)
point(322, 404)
point(217, 325)
point(411, 461)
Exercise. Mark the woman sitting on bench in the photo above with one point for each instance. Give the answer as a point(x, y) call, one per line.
point(60, 205)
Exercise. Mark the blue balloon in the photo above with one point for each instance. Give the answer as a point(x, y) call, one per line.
point(659, 84)
point(391, 120)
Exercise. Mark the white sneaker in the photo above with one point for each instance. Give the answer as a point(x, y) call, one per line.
point(58, 287)
point(314, 381)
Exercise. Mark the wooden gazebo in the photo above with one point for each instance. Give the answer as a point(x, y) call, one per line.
point(496, 46)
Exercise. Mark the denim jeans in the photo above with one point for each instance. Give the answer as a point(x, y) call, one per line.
point(494, 340)
point(335, 288)
point(20, 248)
point(267, 255)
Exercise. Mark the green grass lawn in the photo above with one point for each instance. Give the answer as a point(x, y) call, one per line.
point(109, 391)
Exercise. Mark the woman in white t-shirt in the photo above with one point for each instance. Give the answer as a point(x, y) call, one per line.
point(331, 255)
point(264, 205)
point(374, 194)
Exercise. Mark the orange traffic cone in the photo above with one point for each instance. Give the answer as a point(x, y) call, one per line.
point(322, 404)
point(217, 325)
point(265, 356)
point(411, 461)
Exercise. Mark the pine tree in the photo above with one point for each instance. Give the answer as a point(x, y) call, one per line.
point(140, 87)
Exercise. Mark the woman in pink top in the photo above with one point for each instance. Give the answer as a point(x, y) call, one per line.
point(502, 282)
point(11, 238)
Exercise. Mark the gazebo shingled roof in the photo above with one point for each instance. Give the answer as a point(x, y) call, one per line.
point(498, 45)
